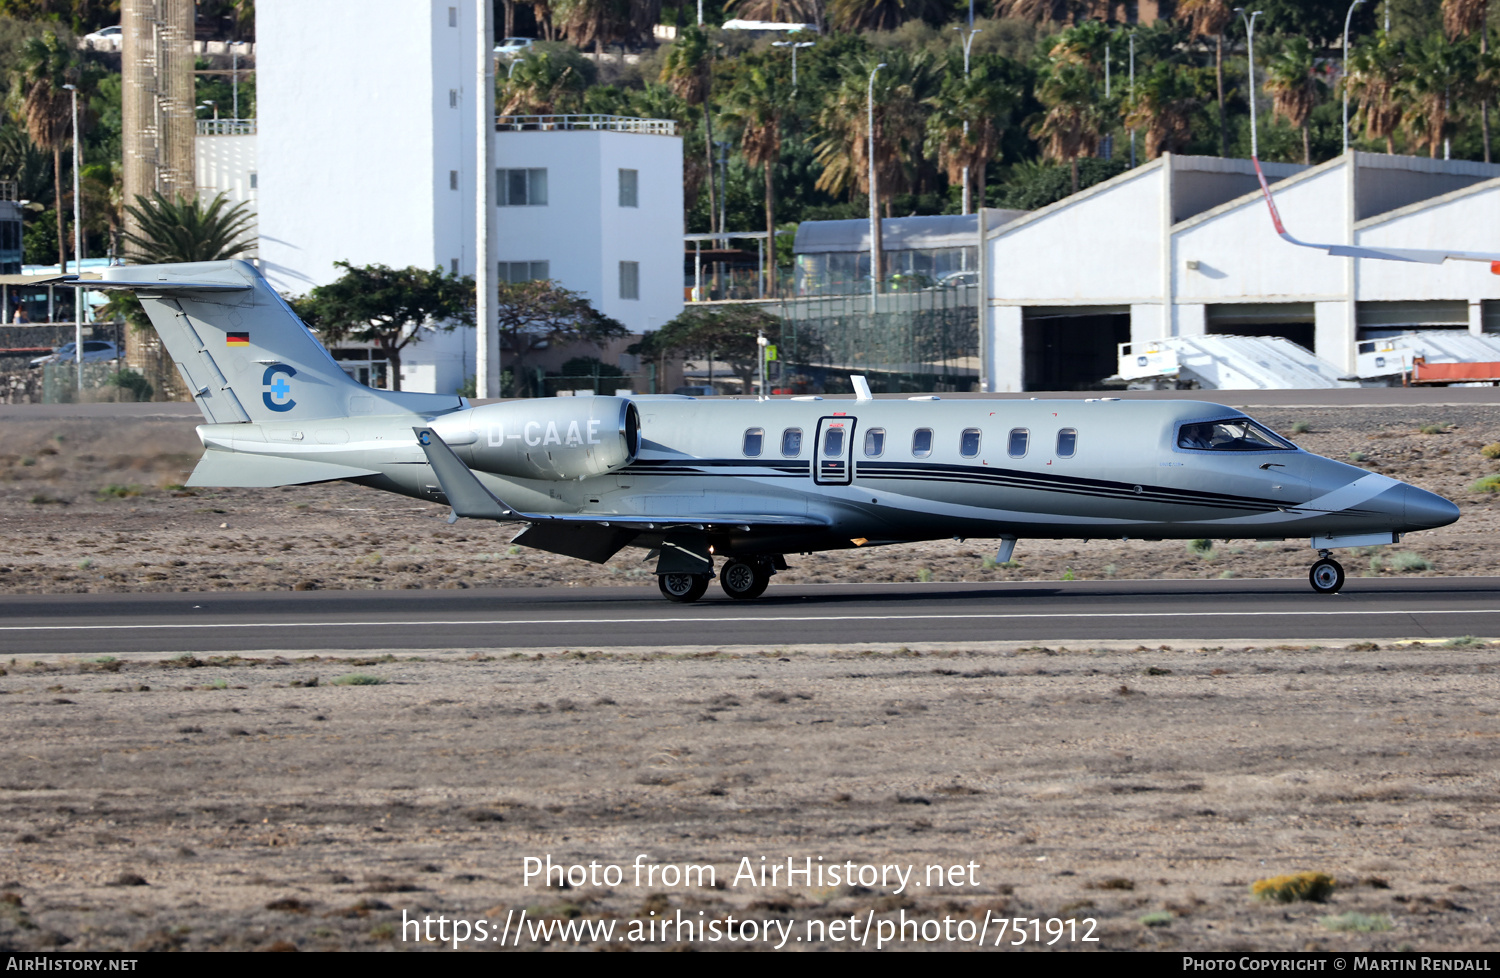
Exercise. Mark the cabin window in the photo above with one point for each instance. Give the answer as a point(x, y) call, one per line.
point(791, 442)
point(874, 442)
point(754, 438)
point(1233, 435)
point(1067, 442)
point(968, 443)
point(1018, 439)
point(921, 443)
point(833, 443)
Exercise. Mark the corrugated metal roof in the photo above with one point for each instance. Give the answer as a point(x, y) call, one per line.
point(897, 233)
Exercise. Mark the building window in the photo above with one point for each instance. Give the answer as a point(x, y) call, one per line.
point(629, 181)
point(452, 179)
point(453, 265)
point(522, 188)
point(452, 98)
point(254, 180)
point(524, 271)
point(452, 16)
point(630, 280)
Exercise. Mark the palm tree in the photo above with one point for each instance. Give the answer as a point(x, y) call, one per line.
point(1461, 18)
point(38, 96)
point(755, 105)
point(984, 100)
point(1210, 18)
point(1074, 121)
point(181, 229)
point(778, 11)
point(541, 84)
point(1163, 105)
point(1438, 73)
point(883, 15)
point(1044, 10)
point(688, 71)
point(1294, 86)
point(591, 22)
point(1374, 82)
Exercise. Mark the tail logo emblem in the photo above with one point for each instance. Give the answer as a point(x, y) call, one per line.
point(278, 396)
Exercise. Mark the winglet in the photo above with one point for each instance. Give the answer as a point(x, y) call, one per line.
point(466, 494)
point(1423, 255)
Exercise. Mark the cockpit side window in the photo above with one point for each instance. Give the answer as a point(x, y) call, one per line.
point(1231, 435)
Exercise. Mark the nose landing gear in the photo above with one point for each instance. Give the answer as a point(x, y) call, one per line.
point(1327, 575)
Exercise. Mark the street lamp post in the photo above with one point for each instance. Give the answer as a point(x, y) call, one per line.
point(1250, 45)
point(234, 49)
point(794, 45)
point(209, 104)
point(968, 42)
point(1347, 16)
point(874, 212)
point(77, 247)
point(1132, 96)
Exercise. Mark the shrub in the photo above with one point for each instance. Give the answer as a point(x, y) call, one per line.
point(1301, 428)
point(1434, 429)
point(1358, 457)
point(358, 679)
point(1492, 450)
point(1068, 574)
point(133, 381)
point(1363, 923)
point(1157, 918)
point(1409, 562)
point(1314, 887)
point(924, 575)
point(1490, 483)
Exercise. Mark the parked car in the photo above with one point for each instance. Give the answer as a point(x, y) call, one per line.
point(699, 390)
point(105, 37)
point(512, 47)
point(93, 351)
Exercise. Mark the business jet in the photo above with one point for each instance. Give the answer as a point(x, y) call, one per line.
point(746, 482)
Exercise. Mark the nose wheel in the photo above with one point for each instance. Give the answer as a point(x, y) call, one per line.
point(682, 588)
point(1327, 576)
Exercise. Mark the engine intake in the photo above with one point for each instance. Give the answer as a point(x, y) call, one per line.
point(555, 438)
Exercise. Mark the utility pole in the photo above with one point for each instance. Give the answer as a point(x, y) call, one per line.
point(77, 247)
point(486, 340)
point(874, 207)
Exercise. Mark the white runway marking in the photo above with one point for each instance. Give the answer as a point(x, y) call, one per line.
point(973, 616)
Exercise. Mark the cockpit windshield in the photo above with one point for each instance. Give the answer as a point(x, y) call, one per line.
point(1231, 435)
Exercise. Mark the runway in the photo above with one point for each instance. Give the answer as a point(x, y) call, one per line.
point(791, 616)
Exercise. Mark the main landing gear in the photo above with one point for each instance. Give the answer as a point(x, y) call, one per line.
point(1327, 575)
point(741, 578)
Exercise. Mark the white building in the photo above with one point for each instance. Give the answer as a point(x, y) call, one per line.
point(224, 162)
point(1184, 246)
point(366, 155)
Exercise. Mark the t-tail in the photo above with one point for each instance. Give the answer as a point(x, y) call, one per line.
point(245, 355)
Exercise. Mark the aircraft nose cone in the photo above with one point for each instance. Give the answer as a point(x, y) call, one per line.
point(1425, 510)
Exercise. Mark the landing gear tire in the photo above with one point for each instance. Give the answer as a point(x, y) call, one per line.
point(745, 579)
point(1327, 576)
point(682, 588)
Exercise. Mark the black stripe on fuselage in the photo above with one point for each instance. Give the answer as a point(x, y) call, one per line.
point(967, 474)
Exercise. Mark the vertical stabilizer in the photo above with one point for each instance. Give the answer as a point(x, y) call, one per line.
point(244, 354)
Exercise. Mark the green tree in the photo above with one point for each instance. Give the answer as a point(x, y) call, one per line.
point(38, 96)
point(181, 229)
point(1163, 105)
point(1293, 82)
point(544, 82)
point(536, 314)
point(1464, 18)
point(969, 116)
point(688, 71)
point(755, 106)
point(1210, 18)
point(727, 333)
point(1374, 84)
point(1074, 120)
point(1436, 75)
point(884, 15)
point(389, 307)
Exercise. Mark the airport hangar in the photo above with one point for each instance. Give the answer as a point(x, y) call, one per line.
point(1184, 246)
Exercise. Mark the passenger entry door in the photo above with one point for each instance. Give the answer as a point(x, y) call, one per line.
point(833, 451)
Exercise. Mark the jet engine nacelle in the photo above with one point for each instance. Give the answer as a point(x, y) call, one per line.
point(553, 438)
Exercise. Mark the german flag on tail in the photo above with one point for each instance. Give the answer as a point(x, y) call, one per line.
point(237, 339)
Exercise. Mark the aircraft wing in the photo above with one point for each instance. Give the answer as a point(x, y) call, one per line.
point(1426, 256)
point(469, 498)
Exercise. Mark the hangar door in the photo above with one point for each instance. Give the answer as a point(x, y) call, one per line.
point(1290, 320)
point(1071, 349)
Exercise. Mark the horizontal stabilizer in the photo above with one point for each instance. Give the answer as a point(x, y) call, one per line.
point(247, 471)
point(161, 288)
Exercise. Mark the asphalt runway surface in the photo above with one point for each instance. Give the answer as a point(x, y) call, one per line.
point(791, 616)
